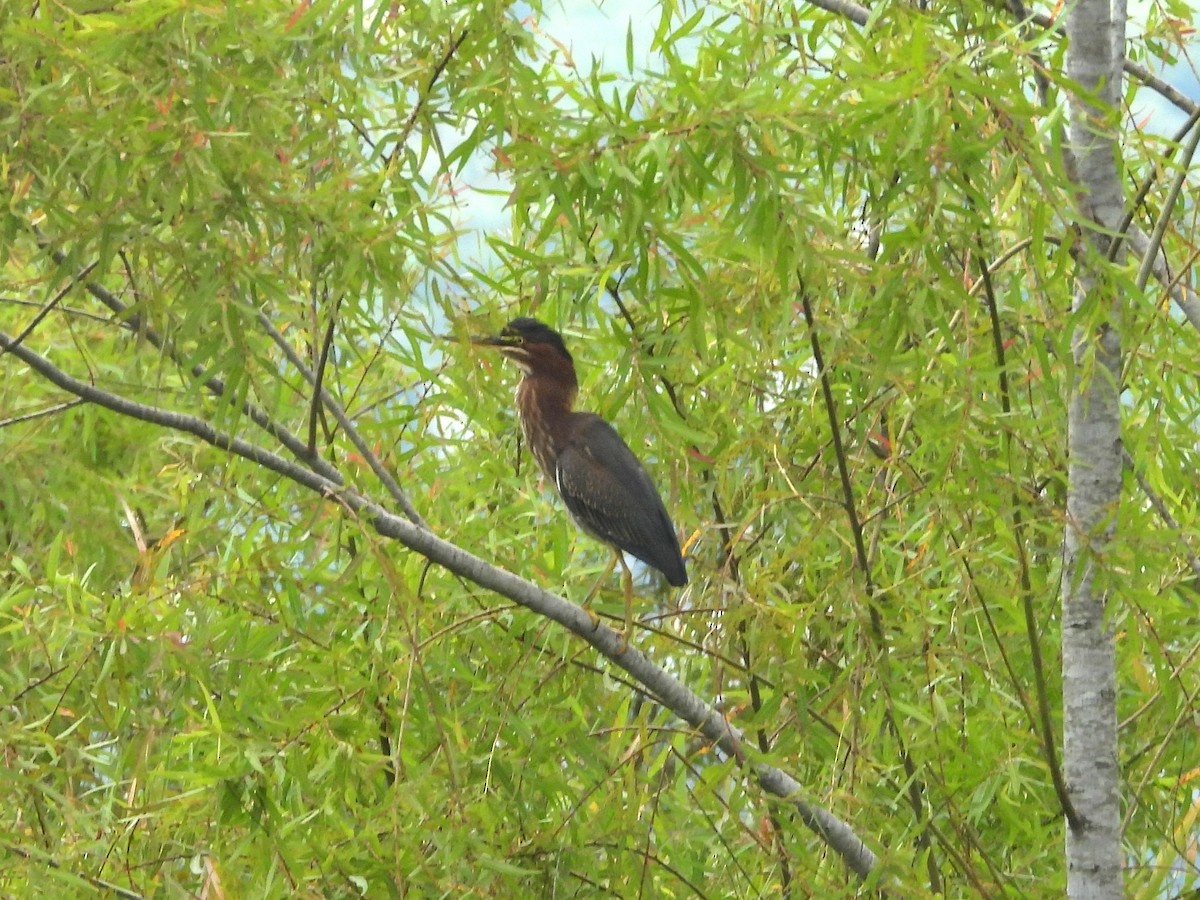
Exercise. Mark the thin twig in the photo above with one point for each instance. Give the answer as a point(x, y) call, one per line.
point(1018, 527)
point(916, 786)
point(1150, 254)
point(65, 310)
point(1184, 296)
point(116, 889)
point(318, 378)
point(424, 98)
point(1143, 191)
point(360, 444)
point(29, 417)
point(1161, 508)
point(53, 302)
point(213, 384)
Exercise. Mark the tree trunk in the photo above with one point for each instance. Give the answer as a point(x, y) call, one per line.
point(1095, 30)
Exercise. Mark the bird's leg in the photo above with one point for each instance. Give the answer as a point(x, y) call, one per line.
point(599, 582)
point(627, 585)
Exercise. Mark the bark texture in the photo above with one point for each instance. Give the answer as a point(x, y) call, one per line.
point(1095, 31)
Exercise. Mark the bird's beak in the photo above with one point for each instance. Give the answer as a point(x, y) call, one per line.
point(497, 340)
point(484, 340)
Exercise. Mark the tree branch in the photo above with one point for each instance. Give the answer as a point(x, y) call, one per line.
point(318, 378)
point(1161, 508)
point(847, 9)
point(916, 786)
point(360, 444)
point(53, 302)
point(41, 413)
point(1019, 540)
point(424, 98)
point(213, 384)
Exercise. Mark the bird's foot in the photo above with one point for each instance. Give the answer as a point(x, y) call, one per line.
point(624, 645)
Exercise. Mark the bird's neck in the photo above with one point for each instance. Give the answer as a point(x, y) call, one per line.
point(548, 396)
point(543, 404)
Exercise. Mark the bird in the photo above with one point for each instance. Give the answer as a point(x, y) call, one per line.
point(605, 488)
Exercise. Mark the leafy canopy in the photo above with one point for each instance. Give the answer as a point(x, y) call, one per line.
point(215, 677)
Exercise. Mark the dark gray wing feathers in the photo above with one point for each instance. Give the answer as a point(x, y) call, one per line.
point(617, 502)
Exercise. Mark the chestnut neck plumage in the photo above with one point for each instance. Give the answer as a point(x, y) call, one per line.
point(544, 400)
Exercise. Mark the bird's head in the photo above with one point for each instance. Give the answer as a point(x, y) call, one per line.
point(535, 347)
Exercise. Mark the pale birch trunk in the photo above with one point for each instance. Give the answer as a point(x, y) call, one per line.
point(1095, 30)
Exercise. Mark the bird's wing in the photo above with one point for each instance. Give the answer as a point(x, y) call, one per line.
point(614, 499)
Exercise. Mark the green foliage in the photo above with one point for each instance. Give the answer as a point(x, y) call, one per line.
point(219, 681)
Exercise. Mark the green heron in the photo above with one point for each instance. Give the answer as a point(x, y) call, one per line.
point(605, 488)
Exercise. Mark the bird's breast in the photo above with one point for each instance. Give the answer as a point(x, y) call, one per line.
point(539, 435)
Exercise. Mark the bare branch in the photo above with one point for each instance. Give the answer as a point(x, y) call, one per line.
point(360, 444)
point(846, 8)
point(1020, 539)
point(115, 889)
point(424, 98)
point(41, 413)
point(1161, 508)
point(215, 385)
point(916, 787)
point(53, 302)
